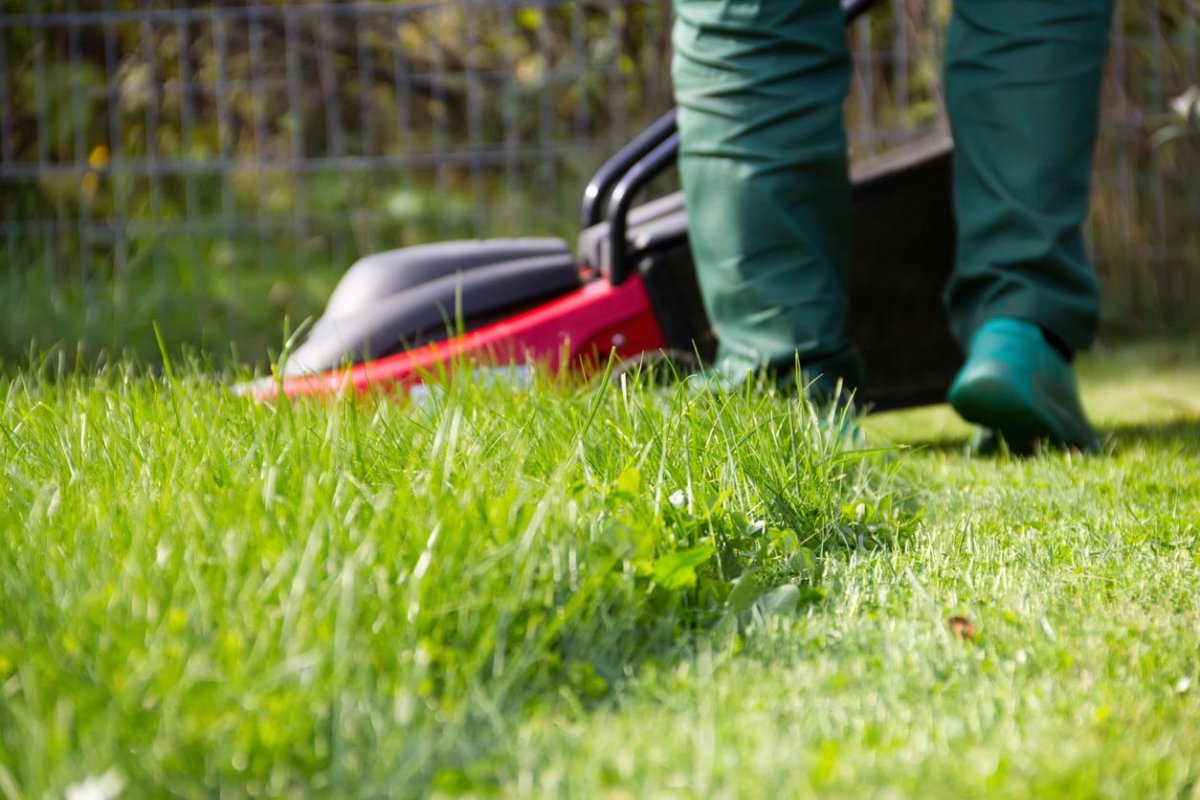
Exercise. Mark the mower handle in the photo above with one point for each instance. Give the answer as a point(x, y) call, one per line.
point(637, 163)
point(603, 181)
point(621, 199)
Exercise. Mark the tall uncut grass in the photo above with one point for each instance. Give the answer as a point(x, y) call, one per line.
point(202, 595)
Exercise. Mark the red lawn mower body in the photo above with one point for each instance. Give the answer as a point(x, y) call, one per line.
point(572, 331)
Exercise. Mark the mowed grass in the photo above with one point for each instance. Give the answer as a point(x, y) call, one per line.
point(604, 591)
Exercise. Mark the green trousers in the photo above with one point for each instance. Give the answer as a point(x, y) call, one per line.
point(760, 84)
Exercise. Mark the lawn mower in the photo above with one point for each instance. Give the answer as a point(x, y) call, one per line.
point(397, 318)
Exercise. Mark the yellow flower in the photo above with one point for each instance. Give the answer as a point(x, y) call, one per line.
point(91, 183)
point(99, 157)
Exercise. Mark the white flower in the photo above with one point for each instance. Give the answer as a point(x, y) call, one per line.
point(103, 787)
point(1187, 105)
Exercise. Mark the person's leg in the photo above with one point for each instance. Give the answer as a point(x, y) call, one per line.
point(759, 85)
point(1023, 92)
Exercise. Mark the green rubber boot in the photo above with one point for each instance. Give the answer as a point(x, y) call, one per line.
point(1017, 385)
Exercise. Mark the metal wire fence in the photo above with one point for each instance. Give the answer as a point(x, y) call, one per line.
point(145, 143)
point(360, 124)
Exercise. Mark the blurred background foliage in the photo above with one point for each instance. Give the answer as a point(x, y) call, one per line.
point(216, 166)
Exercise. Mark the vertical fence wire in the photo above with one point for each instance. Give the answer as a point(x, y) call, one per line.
point(1191, 49)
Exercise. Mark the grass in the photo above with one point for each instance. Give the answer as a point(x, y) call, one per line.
point(610, 591)
point(201, 293)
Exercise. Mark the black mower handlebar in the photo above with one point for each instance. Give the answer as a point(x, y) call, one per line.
point(621, 200)
point(607, 176)
point(615, 184)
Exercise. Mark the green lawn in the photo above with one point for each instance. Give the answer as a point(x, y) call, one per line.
point(620, 592)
